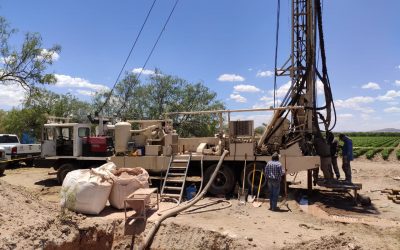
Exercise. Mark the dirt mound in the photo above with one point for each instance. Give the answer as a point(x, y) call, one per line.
point(193, 238)
point(27, 222)
point(331, 242)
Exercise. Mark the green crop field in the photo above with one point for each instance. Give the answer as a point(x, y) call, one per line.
point(371, 144)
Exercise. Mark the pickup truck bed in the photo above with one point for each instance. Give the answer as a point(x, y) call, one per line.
point(15, 151)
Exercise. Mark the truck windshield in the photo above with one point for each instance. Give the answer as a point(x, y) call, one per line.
point(8, 139)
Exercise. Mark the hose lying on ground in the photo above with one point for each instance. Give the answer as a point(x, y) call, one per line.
point(157, 223)
point(199, 207)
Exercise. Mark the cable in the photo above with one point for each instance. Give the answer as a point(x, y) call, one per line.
point(154, 46)
point(158, 38)
point(127, 58)
point(276, 46)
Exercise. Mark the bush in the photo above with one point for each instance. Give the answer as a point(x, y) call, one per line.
point(386, 152)
point(398, 154)
point(359, 152)
point(372, 152)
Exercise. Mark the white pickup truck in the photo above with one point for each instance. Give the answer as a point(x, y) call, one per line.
point(15, 151)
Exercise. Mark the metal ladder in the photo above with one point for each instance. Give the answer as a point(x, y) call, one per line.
point(175, 178)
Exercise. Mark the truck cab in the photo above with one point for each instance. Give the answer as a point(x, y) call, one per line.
point(64, 139)
point(70, 146)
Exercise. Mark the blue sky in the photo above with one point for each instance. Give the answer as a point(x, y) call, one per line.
point(227, 44)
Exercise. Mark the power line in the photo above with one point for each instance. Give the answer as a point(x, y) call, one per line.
point(127, 58)
point(153, 48)
point(158, 39)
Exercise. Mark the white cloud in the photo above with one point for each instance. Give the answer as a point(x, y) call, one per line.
point(371, 85)
point(266, 73)
point(54, 56)
point(282, 90)
point(356, 103)
point(144, 72)
point(85, 92)
point(398, 66)
point(266, 99)
point(246, 88)
point(320, 88)
point(76, 82)
point(397, 82)
point(392, 110)
point(11, 95)
point(230, 78)
point(389, 96)
point(8, 59)
point(345, 116)
point(238, 98)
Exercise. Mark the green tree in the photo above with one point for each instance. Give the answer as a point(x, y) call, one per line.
point(25, 66)
point(18, 121)
point(125, 100)
point(2, 116)
point(60, 105)
point(38, 107)
point(259, 130)
point(163, 93)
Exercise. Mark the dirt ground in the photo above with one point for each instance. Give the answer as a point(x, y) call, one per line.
point(30, 218)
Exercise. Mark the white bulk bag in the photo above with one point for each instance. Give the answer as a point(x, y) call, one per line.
point(126, 181)
point(87, 190)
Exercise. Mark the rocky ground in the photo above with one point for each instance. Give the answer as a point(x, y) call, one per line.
point(30, 218)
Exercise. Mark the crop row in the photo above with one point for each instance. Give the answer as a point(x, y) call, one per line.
point(371, 152)
point(386, 152)
point(383, 141)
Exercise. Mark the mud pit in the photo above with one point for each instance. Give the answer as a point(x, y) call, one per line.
point(30, 218)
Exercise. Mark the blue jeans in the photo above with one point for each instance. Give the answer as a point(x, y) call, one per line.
point(274, 186)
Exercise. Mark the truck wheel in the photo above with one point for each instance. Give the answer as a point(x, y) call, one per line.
point(249, 178)
point(63, 171)
point(223, 183)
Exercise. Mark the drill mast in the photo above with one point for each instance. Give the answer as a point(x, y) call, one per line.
point(302, 68)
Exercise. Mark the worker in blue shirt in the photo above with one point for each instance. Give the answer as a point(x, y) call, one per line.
point(347, 154)
point(274, 172)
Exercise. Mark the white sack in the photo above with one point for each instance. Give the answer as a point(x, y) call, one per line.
point(87, 190)
point(125, 184)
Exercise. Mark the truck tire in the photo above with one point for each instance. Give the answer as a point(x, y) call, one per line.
point(249, 178)
point(64, 170)
point(223, 183)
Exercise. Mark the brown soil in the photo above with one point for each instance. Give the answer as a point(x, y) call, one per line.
point(30, 218)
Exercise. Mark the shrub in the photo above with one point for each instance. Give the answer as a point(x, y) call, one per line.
point(372, 152)
point(386, 152)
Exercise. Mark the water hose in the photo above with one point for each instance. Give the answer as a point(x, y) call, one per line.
point(157, 223)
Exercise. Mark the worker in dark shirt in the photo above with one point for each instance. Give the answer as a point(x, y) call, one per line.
point(334, 144)
point(347, 154)
point(274, 173)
